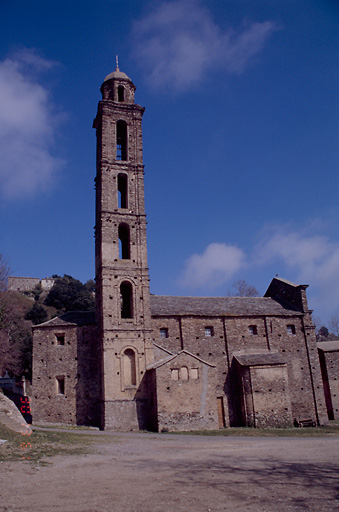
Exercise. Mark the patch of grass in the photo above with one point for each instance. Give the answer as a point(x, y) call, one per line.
point(59, 426)
point(41, 444)
point(326, 431)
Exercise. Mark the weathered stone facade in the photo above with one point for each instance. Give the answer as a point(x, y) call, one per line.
point(168, 363)
point(66, 371)
point(329, 363)
point(182, 394)
point(27, 284)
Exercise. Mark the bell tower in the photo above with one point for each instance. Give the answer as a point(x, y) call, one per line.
point(122, 281)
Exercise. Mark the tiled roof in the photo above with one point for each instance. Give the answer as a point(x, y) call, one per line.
point(328, 346)
point(71, 318)
point(259, 358)
point(166, 360)
point(164, 305)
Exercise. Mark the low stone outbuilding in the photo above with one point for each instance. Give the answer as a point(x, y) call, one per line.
point(66, 371)
point(264, 395)
point(182, 394)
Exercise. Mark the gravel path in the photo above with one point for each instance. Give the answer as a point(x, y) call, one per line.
point(174, 473)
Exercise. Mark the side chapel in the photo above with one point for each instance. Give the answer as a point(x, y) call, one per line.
point(160, 362)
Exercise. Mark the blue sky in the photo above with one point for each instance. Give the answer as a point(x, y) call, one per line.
point(240, 138)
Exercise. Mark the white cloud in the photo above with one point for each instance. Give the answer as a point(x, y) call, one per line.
point(215, 266)
point(27, 127)
point(296, 254)
point(178, 43)
point(309, 259)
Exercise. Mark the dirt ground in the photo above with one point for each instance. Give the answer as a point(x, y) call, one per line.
point(177, 473)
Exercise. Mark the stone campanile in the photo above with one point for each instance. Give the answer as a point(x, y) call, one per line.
point(122, 281)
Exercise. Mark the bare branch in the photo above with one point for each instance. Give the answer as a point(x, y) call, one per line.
point(244, 289)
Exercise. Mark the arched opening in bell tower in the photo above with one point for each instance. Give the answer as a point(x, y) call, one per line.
point(122, 191)
point(121, 140)
point(124, 242)
point(121, 93)
point(126, 295)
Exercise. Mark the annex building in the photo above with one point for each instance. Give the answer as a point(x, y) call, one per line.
point(160, 362)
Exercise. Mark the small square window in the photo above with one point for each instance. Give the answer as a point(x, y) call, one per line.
point(252, 329)
point(209, 331)
point(60, 339)
point(60, 385)
point(291, 329)
point(164, 332)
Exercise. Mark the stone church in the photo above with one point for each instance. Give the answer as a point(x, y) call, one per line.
point(159, 362)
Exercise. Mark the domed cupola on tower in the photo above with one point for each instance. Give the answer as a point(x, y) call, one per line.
point(118, 87)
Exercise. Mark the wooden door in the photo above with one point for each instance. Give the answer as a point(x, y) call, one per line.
point(221, 412)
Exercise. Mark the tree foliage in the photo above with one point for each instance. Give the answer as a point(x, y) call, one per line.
point(69, 294)
point(37, 314)
point(4, 272)
point(326, 334)
point(15, 336)
point(334, 323)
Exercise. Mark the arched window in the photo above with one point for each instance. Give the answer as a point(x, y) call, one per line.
point(130, 374)
point(124, 243)
point(184, 373)
point(121, 140)
point(122, 191)
point(126, 295)
point(121, 93)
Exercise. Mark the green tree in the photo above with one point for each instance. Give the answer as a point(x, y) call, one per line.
point(69, 294)
point(37, 314)
point(4, 272)
point(15, 338)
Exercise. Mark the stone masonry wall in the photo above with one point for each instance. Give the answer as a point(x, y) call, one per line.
point(186, 401)
point(285, 334)
point(330, 367)
point(266, 399)
point(66, 377)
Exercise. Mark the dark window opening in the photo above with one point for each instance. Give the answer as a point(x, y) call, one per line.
point(164, 332)
point(60, 338)
point(291, 329)
point(121, 93)
point(124, 242)
point(122, 191)
point(121, 140)
point(209, 331)
point(126, 295)
point(60, 385)
point(252, 329)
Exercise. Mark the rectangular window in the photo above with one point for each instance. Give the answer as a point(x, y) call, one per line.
point(60, 385)
point(291, 329)
point(60, 339)
point(194, 373)
point(164, 332)
point(174, 374)
point(209, 331)
point(252, 329)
